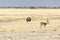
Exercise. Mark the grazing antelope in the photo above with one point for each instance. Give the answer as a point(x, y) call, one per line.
point(28, 19)
point(44, 24)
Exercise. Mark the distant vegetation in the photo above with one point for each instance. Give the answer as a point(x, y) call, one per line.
point(31, 7)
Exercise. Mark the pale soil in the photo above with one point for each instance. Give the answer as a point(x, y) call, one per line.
point(53, 35)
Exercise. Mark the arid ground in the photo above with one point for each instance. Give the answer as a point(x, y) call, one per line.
point(14, 20)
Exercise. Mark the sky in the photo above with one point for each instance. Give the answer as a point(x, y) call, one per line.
point(36, 3)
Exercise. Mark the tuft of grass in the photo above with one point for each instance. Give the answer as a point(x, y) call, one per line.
point(54, 30)
point(33, 31)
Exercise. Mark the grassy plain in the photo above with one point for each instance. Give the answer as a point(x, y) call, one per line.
point(12, 19)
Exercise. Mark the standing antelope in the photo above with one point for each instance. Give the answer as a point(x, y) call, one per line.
point(44, 24)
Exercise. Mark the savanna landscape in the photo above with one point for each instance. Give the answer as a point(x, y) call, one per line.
point(13, 24)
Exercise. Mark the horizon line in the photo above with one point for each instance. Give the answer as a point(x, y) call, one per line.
point(34, 7)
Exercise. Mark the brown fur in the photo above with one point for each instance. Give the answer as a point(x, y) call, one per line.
point(28, 19)
point(44, 24)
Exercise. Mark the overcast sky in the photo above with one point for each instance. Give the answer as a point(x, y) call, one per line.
point(37, 3)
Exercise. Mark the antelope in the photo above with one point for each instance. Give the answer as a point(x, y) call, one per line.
point(44, 24)
point(28, 19)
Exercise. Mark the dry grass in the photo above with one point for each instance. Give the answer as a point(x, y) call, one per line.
point(15, 19)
